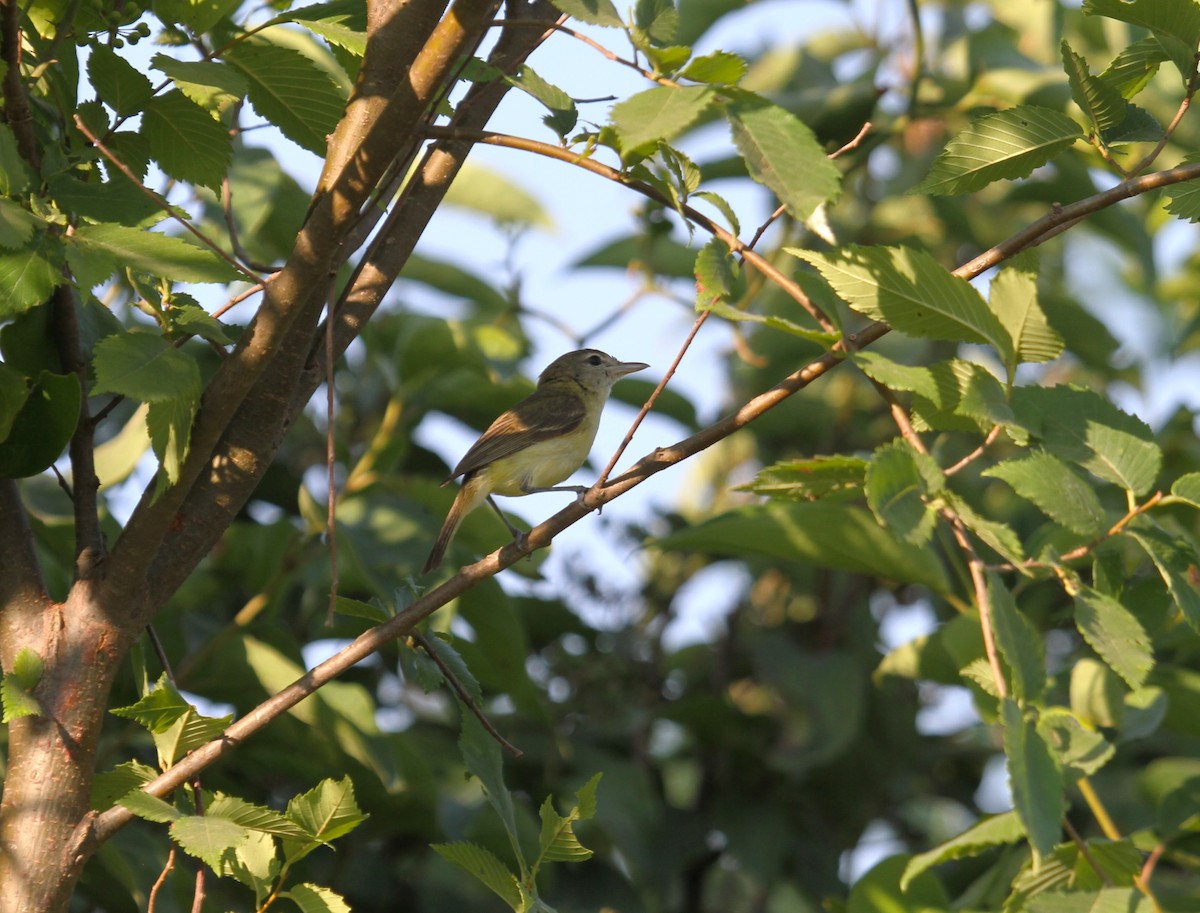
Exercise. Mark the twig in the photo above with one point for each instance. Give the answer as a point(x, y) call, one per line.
point(161, 880)
point(468, 701)
point(1086, 852)
point(975, 454)
point(591, 43)
point(1162, 143)
point(650, 400)
point(162, 203)
point(330, 459)
point(983, 599)
point(239, 298)
point(735, 244)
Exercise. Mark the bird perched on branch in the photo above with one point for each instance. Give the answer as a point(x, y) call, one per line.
point(538, 442)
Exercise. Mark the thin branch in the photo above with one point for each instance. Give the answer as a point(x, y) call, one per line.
point(163, 204)
point(463, 695)
point(16, 103)
point(594, 45)
point(239, 298)
point(983, 599)
point(20, 574)
point(330, 461)
point(993, 433)
point(1169, 132)
point(1086, 852)
point(735, 244)
point(161, 880)
point(652, 398)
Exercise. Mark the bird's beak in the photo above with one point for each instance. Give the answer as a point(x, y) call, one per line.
point(621, 368)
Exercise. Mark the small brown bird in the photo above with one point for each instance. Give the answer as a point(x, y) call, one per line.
point(538, 442)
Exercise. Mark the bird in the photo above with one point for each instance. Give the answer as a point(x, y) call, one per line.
point(537, 443)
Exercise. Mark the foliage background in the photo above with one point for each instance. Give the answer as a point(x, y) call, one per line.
point(742, 771)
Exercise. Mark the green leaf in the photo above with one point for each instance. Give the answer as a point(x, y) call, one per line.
point(1135, 66)
point(255, 817)
point(17, 225)
point(593, 12)
point(197, 15)
point(212, 85)
point(324, 813)
point(1115, 633)
point(484, 866)
point(188, 318)
point(782, 153)
point(1012, 297)
point(155, 253)
point(30, 274)
point(186, 142)
point(315, 898)
point(826, 533)
point(1187, 488)
point(1104, 900)
point(718, 275)
point(1175, 23)
point(1083, 427)
point(898, 484)
point(1001, 146)
point(997, 830)
point(40, 431)
point(658, 114)
point(27, 668)
point(15, 700)
point(1020, 643)
point(111, 785)
point(117, 457)
point(1183, 199)
point(115, 200)
point(14, 173)
point(911, 291)
point(158, 708)
point(149, 807)
point(343, 23)
point(586, 795)
point(290, 91)
point(145, 367)
point(817, 477)
point(356, 608)
point(188, 733)
point(208, 837)
point(1176, 560)
point(999, 536)
point(1035, 778)
point(169, 422)
point(1098, 99)
point(1081, 750)
point(1097, 694)
point(117, 82)
point(720, 67)
point(563, 113)
point(557, 842)
point(1051, 486)
point(454, 661)
point(482, 757)
point(14, 390)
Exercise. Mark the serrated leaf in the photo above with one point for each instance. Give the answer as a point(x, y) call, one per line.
point(17, 225)
point(14, 173)
point(111, 785)
point(1138, 126)
point(356, 608)
point(557, 842)
point(315, 898)
point(1083, 427)
point(658, 115)
point(290, 91)
point(343, 23)
point(898, 490)
point(723, 206)
point(1035, 778)
point(817, 477)
point(997, 830)
point(1115, 633)
point(657, 19)
point(563, 113)
point(482, 756)
point(826, 533)
point(717, 275)
point(118, 83)
point(191, 319)
point(1176, 561)
point(188, 733)
point(208, 837)
point(1135, 66)
point(999, 536)
point(27, 668)
point(1100, 101)
point(1012, 296)
point(30, 274)
point(212, 85)
point(149, 807)
point(1104, 900)
point(1097, 693)
point(720, 67)
point(1187, 488)
point(155, 253)
point(1052, 487)
point(15, 700)
point(1081, 751)
point(485, 867)
point(1175, 23)
point(42, 426)
point(197, 15)
point(1019, 642)
point(14, 390)
point(454, 662)
point(1183, 199)
point(324, 813)
point(911, 291)
point(1001, 146)
point(169, 424)
point(594, 12)
point(255, 817)
point(186, 142)
point(145, 367)
point(782, 153)
point(586, 795)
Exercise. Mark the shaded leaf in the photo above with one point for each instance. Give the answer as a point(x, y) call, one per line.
point(898, 483)
point(169, 423)
point(817, 477)
point(997, 830)
point(1177, 562)
point(1035, 778)
point(145, 367)
point(1135, 66)
point(1051, 486)
point(155, 253)
point(658, 114)
point(118, 83)
point(1098, 99)
point(42, 427)
point(1081, 750)
point(186, 142)
point(212, 85)
point(484, 866)
point(1012, 296)
point(28, 275)
point(594, 12)
point(1019, 642)
point(1175, 23)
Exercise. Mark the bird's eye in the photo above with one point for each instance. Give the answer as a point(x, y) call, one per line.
point(593, 359)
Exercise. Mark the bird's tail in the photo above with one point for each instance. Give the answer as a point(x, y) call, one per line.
point(459, 509)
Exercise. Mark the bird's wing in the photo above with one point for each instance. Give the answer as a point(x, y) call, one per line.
point(516, 429)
